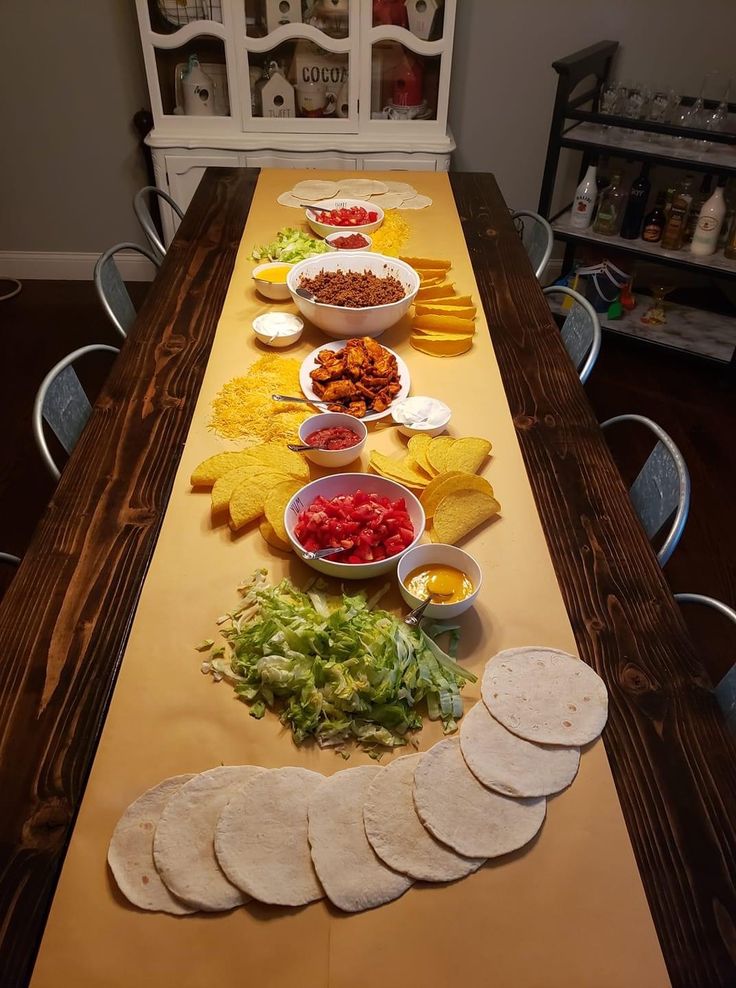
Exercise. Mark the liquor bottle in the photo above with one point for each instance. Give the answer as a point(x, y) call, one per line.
point(730, 251)
point(655, 222)
point(584, 201)
point(674, 232)
point(611, 208)
point(708, 226)
point(602, 179)
point(699, 200)
point(669, 195)
point(637, 204)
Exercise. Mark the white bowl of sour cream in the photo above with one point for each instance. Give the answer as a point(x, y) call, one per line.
point(421, 414)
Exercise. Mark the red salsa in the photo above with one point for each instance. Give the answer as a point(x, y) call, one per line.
point(338, 437)
point(367, 527)
point(350, 242)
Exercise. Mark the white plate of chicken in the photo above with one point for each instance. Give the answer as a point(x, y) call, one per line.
point(357, 376)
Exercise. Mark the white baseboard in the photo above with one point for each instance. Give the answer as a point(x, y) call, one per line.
point(66, 266)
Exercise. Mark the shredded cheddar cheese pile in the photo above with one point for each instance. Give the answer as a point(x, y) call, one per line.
point(392, 236)
point(244, 409)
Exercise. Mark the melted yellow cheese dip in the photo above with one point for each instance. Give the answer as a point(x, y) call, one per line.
point(437, 579)
point(275, 276)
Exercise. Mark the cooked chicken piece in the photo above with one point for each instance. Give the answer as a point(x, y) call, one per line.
point(385, 366)
point(394, 388)
point(326, 356)
point(318, 388)
point(355, 362)
point(321, 374)
point(337, 390)
point(357, 408)
point(372, 348)
point(381, 403)
point(376, 383)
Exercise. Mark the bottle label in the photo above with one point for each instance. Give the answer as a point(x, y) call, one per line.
point(652, 233)
point(706, 224)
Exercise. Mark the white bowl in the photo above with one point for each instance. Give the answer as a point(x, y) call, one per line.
point(332, 237)
point(418, 428)
point(333, 457)
point(279, 293)
point(448, 555)
point(339, 321)
point(264, 328)
point(349, 483)
point(323, 229)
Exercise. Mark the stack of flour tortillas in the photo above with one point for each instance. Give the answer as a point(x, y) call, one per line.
point(387, 195)
point(363, 836)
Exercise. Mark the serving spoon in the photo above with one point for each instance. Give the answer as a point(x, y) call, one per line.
point(414, 617)
point(329, 550)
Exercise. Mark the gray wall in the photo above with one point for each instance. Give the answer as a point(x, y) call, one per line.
point(69, 160)
point(73, 74)
point(503, 84)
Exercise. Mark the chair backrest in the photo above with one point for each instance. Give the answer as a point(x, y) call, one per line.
point(662, 487)
point(581, 330)
point(9, 559)
point(63, 405)
point(111, 288)
point(141, 209)
point(537, 237)
point(725, 691)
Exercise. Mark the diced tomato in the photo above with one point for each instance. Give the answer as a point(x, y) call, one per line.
point(367, 527)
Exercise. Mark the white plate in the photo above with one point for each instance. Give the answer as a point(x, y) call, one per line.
point(310, 362)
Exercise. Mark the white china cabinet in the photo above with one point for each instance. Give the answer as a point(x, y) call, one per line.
point(333, 84)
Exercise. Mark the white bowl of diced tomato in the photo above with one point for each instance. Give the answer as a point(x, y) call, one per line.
point(374, 520)
point(344, 216)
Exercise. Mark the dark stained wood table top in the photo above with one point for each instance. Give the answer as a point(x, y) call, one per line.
point(65, 620)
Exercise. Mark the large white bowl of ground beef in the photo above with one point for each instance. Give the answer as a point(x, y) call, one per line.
point(355, 294)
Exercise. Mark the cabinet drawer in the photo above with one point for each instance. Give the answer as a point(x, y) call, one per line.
point(285, 159)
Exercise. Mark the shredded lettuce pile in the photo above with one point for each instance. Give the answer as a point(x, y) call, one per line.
point(291, 245)
point(336, 668)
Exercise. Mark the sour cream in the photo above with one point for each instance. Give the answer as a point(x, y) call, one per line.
point(278, 328)
point(421, 414)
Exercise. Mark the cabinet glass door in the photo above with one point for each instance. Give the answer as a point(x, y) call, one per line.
point(297, 64)
point(423, 18)
point(167, 16)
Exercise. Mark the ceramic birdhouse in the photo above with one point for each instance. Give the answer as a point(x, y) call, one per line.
point(421, 14)
point(278, 12)
point(276, 95)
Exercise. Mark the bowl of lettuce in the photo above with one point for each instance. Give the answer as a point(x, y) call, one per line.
point(335, 668)
point(291, 245)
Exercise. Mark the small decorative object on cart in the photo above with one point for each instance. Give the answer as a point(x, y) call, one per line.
point(407, 81)
point(603, 285)
point(422, 14)
point(198, 90)
point(278, 12)
point(320, 76)
point(391, 12)
point(275, 93)
point(329, 16)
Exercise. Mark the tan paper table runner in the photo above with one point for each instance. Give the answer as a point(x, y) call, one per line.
point(567, 912)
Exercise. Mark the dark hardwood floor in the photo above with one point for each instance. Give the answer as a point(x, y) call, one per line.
point(694, 400)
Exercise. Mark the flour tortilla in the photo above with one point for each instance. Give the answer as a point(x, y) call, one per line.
point(261, 838)
point(130, 854)
point(397, 835)
point(510, 765)
point(389, 200)
point(313, 189)
point(287, 199)
point(403, 188)
point(360, 188)
point(545, 695)
point(351, 873)
point(416, 202)
point(183, 847)
point(463, 814)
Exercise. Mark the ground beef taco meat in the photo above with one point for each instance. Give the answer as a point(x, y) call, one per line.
point(353, 289)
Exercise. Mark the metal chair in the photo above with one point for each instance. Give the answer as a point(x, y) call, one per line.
point(581, 330)
point(141, 210)
point(62, 403)
point(9, 559)
point(725, 691)
point(537, 237)
point(662, 487)
point(111, 288)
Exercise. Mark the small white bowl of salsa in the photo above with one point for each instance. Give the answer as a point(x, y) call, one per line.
point(338, 438)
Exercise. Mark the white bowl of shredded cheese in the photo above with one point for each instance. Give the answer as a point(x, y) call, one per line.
point(421, 414)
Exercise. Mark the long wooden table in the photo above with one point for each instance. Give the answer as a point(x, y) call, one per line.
point(65, 621)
